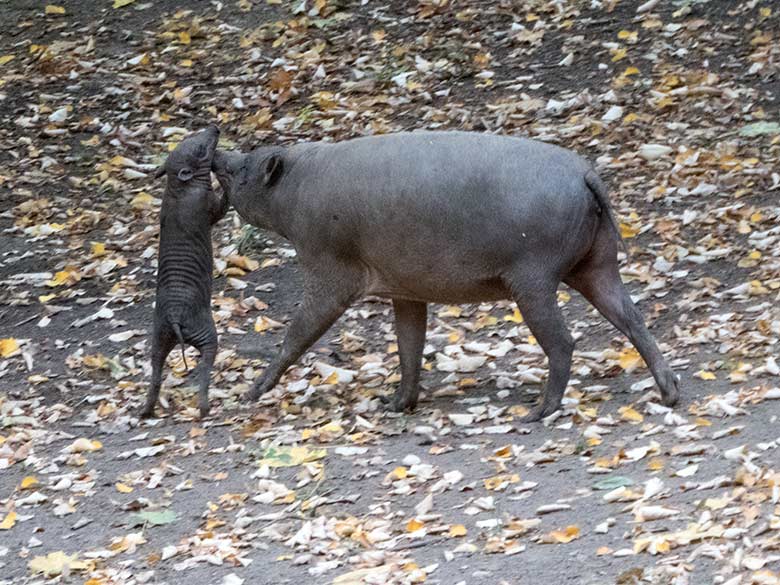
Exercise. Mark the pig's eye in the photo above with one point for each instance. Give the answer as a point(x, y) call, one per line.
point(201, 152)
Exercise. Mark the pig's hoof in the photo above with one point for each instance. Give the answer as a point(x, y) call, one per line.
point(146, 412)
point(248, 397)
point(399, 403)
point(670, 389)
point(538, 413)
point(204, 412)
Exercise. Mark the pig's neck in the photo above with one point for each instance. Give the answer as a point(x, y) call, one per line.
point(282, 212)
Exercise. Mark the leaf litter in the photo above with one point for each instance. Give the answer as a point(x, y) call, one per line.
point(315, 481)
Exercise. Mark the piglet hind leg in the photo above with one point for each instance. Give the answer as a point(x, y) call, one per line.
point(597, 278)
point(327, 294)
point(208, 352)
point(161, 346)
point(410, 323)
point(538, 302)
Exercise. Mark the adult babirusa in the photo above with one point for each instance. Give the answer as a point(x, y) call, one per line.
point(443, 217)
point(182, 313)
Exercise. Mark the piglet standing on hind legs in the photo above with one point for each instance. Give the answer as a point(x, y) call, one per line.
point(440, 217)
point(182, 311)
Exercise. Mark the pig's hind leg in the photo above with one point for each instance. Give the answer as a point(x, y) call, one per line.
point(206, 342)
point(597, 278)
point(162, 344)
point(538, 303)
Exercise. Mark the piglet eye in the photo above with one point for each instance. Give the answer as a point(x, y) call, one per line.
point(201, 151)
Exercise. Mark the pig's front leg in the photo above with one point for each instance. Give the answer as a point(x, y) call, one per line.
point(326, 296)
point(410, 322)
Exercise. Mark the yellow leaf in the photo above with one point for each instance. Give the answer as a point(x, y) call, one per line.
point(6, 58)
point(243, 262)
point(457, 530)
point(630, 359)
point(627, 35)
point(122, 3)
point(518, 410)
point(630, 71)
point(184, 37)
point(263, 323)
point(765, 12)
point(500, 482)
point(399, 472)
point(332, 379)
point(46, 298)
point(631, 117)
point(122, 488)
point(98, 249)
point(618, 54)
point(68, 276)
point(506, 450)
point(83, 445)
point(515, 317)
point(655, 464)
point(451, 311)
point(284, 456)
point(142, 200)
point(185, 63)
point(9, 521)
point(702, 422)
point(267, 263)
point(629, 414)
point(8, 347)
point(414, 525)
point(562, 536)
point(56, 563)
point(28, 482)
point(705, 375)
point(628, 231)
point(53, 9)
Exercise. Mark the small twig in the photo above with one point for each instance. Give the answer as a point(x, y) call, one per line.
point(20, 323)
point(418, 544)
point(649, 5)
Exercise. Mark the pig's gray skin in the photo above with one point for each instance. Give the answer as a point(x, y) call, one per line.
point(440, 217)
point(182, 311)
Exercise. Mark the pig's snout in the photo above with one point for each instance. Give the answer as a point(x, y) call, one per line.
point(225, 165)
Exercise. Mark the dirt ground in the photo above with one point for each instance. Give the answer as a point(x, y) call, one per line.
point(675, 102)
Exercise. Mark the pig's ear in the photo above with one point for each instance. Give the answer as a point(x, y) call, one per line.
point(273, 170)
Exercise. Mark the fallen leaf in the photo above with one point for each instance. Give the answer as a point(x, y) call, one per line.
point(56, 563)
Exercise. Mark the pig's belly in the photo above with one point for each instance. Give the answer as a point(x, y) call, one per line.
point(436, 288)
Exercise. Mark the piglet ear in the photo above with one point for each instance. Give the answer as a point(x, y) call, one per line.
point(273, 170)
point(160, 171)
